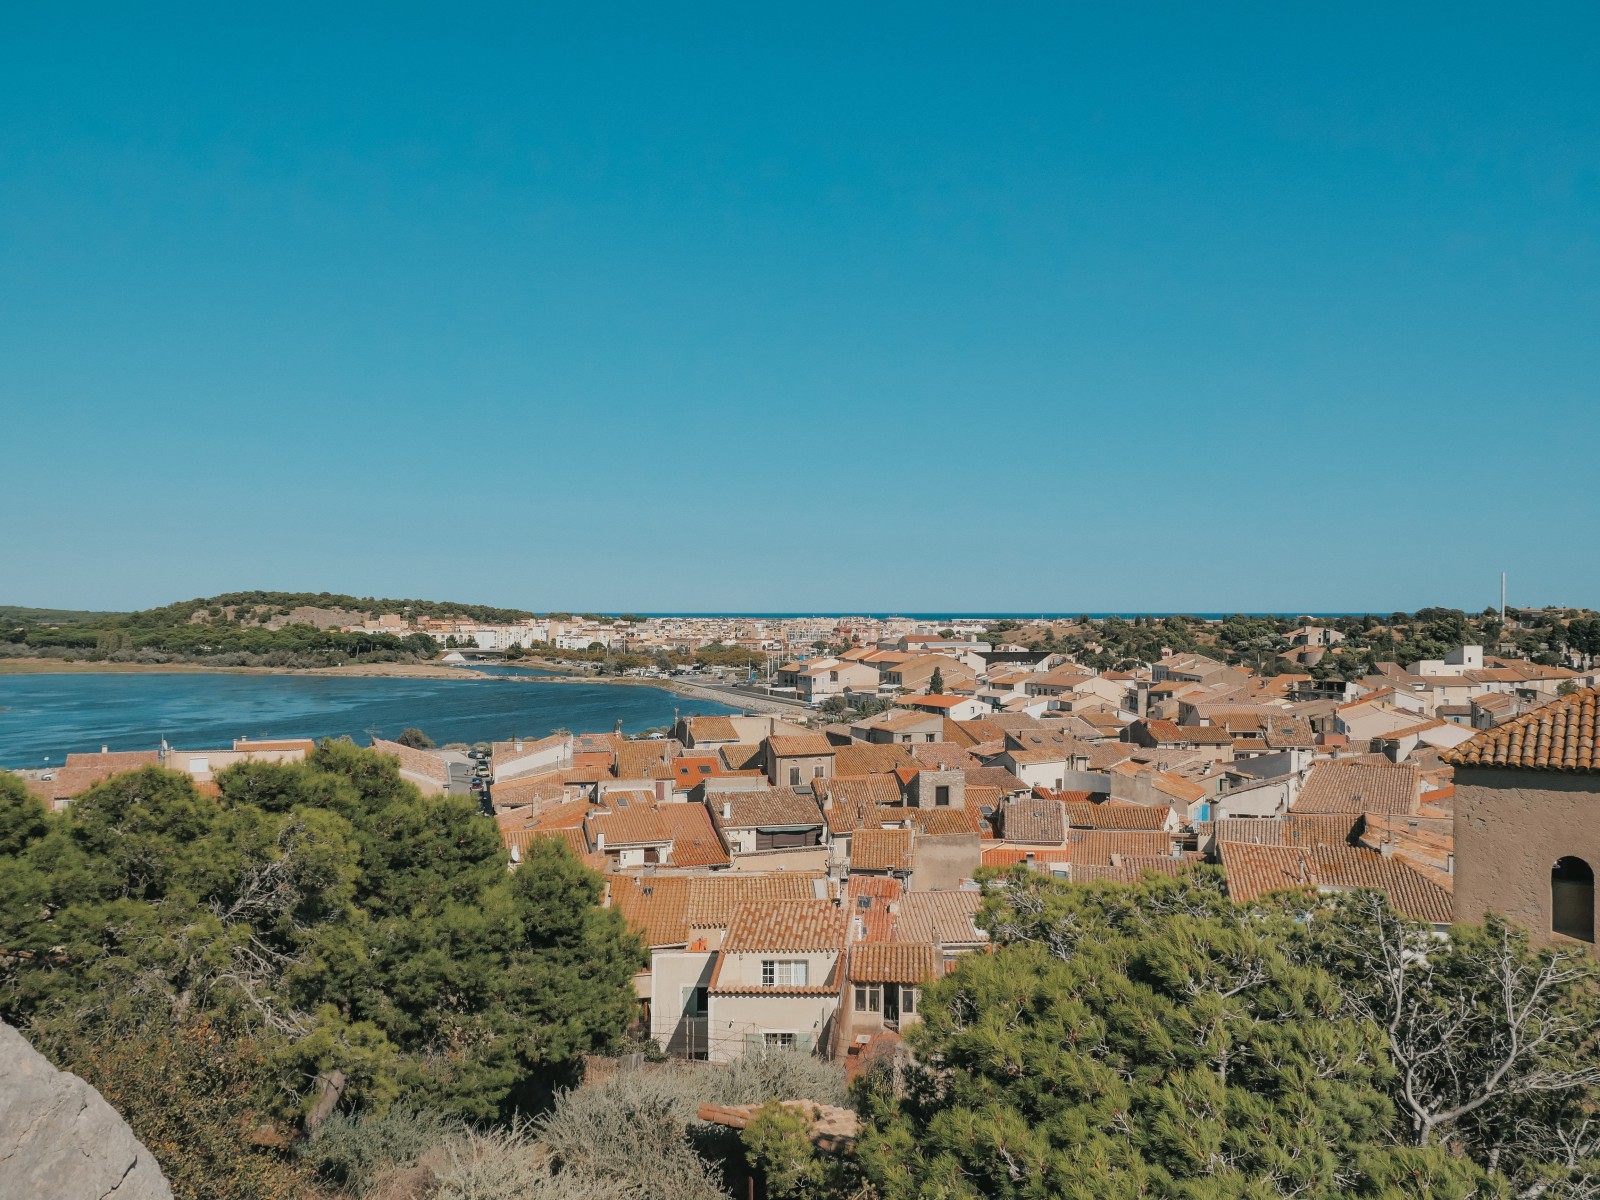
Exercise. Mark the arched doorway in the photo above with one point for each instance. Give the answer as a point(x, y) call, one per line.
point(1572, 898)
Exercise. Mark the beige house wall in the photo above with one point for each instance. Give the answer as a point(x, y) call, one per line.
point(1510, 828)
point(809, 769)
point(670, 1027)
point(738, 1022)
point(204, 765)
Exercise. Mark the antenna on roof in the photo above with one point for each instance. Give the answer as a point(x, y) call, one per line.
point(1502, 600)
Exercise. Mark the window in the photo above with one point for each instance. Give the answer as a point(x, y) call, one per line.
point(908, 1000)
point(941, 796)
point(782, 973)
point(868, 998)
point(1572, 899)
point(694, 1001)
point(705, 769)
point(930, 737)
point(794, 776)
point(778, 1041)
point(816, 772)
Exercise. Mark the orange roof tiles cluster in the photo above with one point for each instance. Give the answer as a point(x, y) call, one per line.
point(893, 962)
point(881, 850)
point(694, 840)
point(713, 899)
point(1558, 737)
point(786, 925)
point(765, 808)
point(1118, 816)
point(1253, 871)
point(800, 745)
point(1351, 786)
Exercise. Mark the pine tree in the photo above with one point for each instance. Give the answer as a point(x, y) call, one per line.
point(1140, 1041)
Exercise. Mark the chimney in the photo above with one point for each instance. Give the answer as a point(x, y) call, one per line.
point(600, 843)
point(517, 745)
point(1386, 847)
point(727, 810)
point(105, 749)
point(1450, 863)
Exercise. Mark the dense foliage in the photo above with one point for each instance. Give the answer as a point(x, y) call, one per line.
point(1256, 642)
point(233, 629)
point(368, 941)
point(1157, 1040)
point(633, 1135)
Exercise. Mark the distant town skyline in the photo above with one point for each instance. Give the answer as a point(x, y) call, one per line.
point(1037, 309)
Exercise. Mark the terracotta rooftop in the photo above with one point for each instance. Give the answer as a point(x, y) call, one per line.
point(632, 826)
point(881, 850)
point(800, 745)
point(1005, 856)
point(766, 808)
point(1118, 816)
point(713, 899)
point(945, 918)
point(1348, 786)
point(694, 840)
point(1096, 846)
point(848, 801)
point(1558, 737)
point(712, 729)
point(941, 822)
point(893, 962)
point(867, 758)
point(741, 756)
point(793, 925)
point(1253, 871)
point(656, 907)
point(1034, 821)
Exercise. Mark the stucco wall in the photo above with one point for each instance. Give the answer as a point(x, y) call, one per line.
point(1510, 828)
point(735, 1018)
point(941, 863)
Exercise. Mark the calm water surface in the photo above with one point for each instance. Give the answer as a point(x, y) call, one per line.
point(50, 715)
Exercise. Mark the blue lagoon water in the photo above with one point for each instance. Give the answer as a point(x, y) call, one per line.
point(50, 715)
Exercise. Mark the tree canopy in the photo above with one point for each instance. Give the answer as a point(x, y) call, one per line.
point(1158, 1040)
point(369, 940)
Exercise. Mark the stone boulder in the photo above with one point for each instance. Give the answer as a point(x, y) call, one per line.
point(59, 1140)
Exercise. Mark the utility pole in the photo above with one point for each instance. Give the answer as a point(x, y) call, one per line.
point(1502, 599)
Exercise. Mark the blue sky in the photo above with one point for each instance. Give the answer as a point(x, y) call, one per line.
point(823, 307)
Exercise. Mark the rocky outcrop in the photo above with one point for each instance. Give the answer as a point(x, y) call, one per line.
point(59, 1140)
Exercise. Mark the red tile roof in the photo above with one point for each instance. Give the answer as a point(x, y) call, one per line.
point(713, 899)
point(800, 745)
point(793, 925)
point(881, 850)
point(766, 808)
point(894, 962)
point(694, 841)
point(1346, 786)
point(1253, 871)
point(1563, 736)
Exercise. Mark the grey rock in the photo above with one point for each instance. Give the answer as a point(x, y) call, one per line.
point(60, 1140)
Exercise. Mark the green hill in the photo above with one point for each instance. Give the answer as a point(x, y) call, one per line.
point(237, 629)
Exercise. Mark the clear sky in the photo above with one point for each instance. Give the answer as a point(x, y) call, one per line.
point(807, 307)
